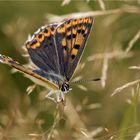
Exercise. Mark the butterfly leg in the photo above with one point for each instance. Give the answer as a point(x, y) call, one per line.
point(49, 96)
point(59, 96)
point(62, 96)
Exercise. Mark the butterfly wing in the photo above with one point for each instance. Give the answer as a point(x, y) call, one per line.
point(34, 75)
point(71, 37)
point(43, 51)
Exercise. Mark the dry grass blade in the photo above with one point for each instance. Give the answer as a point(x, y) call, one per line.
point(58, 116)
point(133, 41)
point(80, 67)
point(73, 116)
point(119, 89)
point(84, 133)
point(25, 55)
point(135, 67)
point(115, 54)
point(82, 87)
point(24, 48)
point(78, 78)
point(65, 2)
point(91, 135)
point(93, 106)
point(30, 88)
point(104, 71)
point(126, 9)
point(95, 132)
point(137, 137)
point(102, 4)
point(34, 135)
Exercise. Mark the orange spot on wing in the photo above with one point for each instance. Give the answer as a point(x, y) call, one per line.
point(79, 39)
point(60, 29)
point(69, 44)
point(64, 52)
point(35, 45)
point(74, 31)
point(47, 34)
point(90, 20)
point(86, 20)
point(64, 42)
point(68, 33)
point(68, 25)
point(86, 31)
point(69, 40)
point(40, 37)
point(79, 28)
point(80, 21)
point(74, 51)
point(52, 31)
point(32, 45)
point(74, 22)
point(83, 27)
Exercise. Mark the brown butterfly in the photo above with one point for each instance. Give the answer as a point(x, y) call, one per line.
point(56, 50)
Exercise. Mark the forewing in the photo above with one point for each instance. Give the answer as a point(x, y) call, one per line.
point(32, 74)
point(71, 37)
point(42, 49)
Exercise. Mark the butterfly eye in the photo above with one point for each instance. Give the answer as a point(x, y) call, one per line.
point(63, 88)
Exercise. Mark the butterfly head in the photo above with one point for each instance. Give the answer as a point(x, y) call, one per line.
point(65, 88)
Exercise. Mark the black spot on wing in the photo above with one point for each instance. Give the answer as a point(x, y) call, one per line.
point(77, 46)
point(83, 31)
point(73, 35)
point(79, 31)
point(69, 37)
point(65, 47)
point(73, 56)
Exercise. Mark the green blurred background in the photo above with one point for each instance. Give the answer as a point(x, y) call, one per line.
point(90, 113)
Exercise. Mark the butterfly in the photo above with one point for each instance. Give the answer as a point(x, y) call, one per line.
point(56, 50)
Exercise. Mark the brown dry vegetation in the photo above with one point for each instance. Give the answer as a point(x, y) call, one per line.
point(98, 110)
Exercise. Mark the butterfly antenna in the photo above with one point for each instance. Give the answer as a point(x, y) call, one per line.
point(86, 81)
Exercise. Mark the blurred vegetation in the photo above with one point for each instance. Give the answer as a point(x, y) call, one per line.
point(91, 113)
